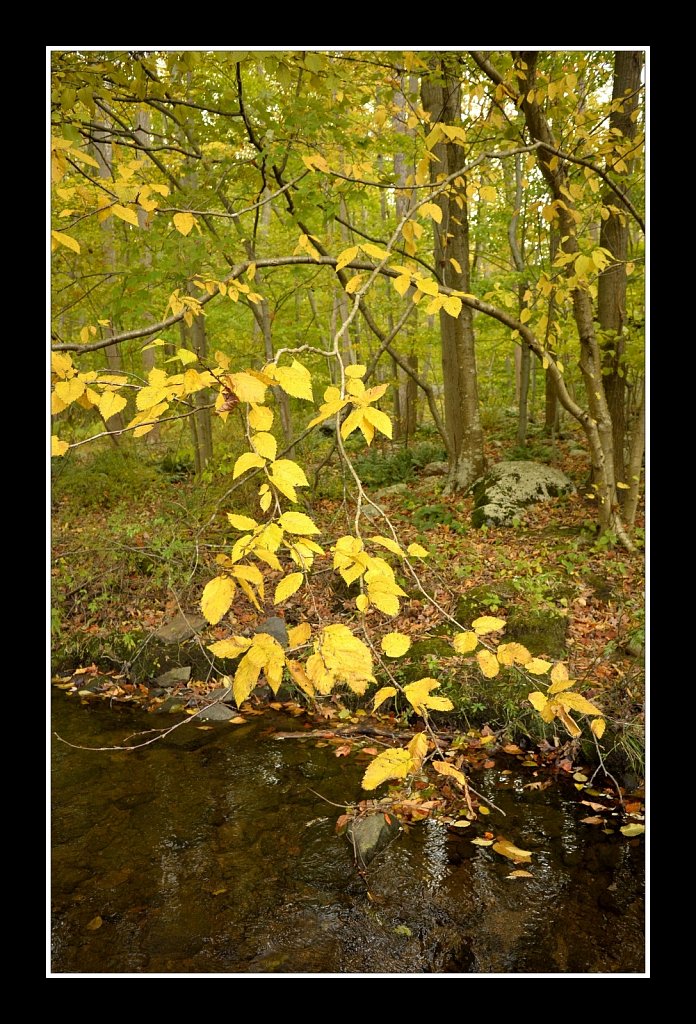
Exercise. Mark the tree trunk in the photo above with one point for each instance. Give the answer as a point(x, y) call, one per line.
point(462, 415)
point(613, 235)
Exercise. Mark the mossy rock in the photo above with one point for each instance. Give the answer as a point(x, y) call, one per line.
point(146, 655)
point(421, 654)
point(541, 632)
point(480, 601)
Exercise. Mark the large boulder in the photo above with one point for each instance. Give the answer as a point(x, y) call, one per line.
point(508, 487)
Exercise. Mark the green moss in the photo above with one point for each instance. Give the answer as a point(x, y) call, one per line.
point(541, 631)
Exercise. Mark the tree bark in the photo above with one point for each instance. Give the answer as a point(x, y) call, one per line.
point(613, 235)
point(440, 95)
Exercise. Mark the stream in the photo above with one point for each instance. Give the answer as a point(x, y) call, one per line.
point(208, 853)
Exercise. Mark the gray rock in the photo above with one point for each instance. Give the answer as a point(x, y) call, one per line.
point(369, 836)
point(389, 492)
point(276, 628)
point(174, 676)
point(509, 487)
point(435, 469)
point(182, 627)
point(222, 693)
point(217, 713)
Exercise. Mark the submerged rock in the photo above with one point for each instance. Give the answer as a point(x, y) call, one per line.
point(509, 487)
point(369, 836)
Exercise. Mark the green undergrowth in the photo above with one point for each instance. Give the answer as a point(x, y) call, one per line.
point(135, 534)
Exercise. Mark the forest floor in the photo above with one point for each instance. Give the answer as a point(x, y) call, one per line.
point(134, 543)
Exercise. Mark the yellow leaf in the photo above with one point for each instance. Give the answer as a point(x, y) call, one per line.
point(418, 695)
point(525, 315)
point(395, 645)
point(217, 598)
point(288, 586)
point(249, 460)
point(510, 654)
point(354, 283)
point(265, 444)
point(443, 768)
point(70, 390)
point(149, 397)
point(58, 447)
point(183, 222)
point(297, 522)
point(598, 725)
point(576, 702)
point(130, 216)
point(456, 264)
point(230, 648)
point(246, 677)
point(622, 486)
point(241, 522)
point(572, 726)
point(390, 545)
point(299, 635)
point(111, 403)
point(417, 551)
point(487, 624)
point(355, 370)
point(432, 210)
point(383, 694)
point(507, 849)
point(95, 923)
point(538, 700)
point(247, 387)
point(559, 674)
point(488, 193)
point(346, 257)
point(375, 251)
point(402, 283)
point(260, 417)
point(61, 238)
point(418, 748)
point(383, 595)
point(452, 305)
point(519, 874)
point(632, 830)
point(300, 677)
point(379, 420)
point(295, 380)
point(464, 643)
point(537, 666)
point(362, 602)
point(482, 842)
point(488, 663)
point(390, 764)
point(427, 285)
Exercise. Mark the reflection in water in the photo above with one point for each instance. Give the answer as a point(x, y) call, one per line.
point(210, 853)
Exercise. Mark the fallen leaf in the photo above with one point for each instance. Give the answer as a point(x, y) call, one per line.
point(343, 751)
point(507, 849)
point(632, 830)
point(579, 777)
point(462, 823)
point(594, 806)
point(482, 842)
point(218, 892)
point(594, 819)
point(237, 720)
point(520, 874)
point(95, 923)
